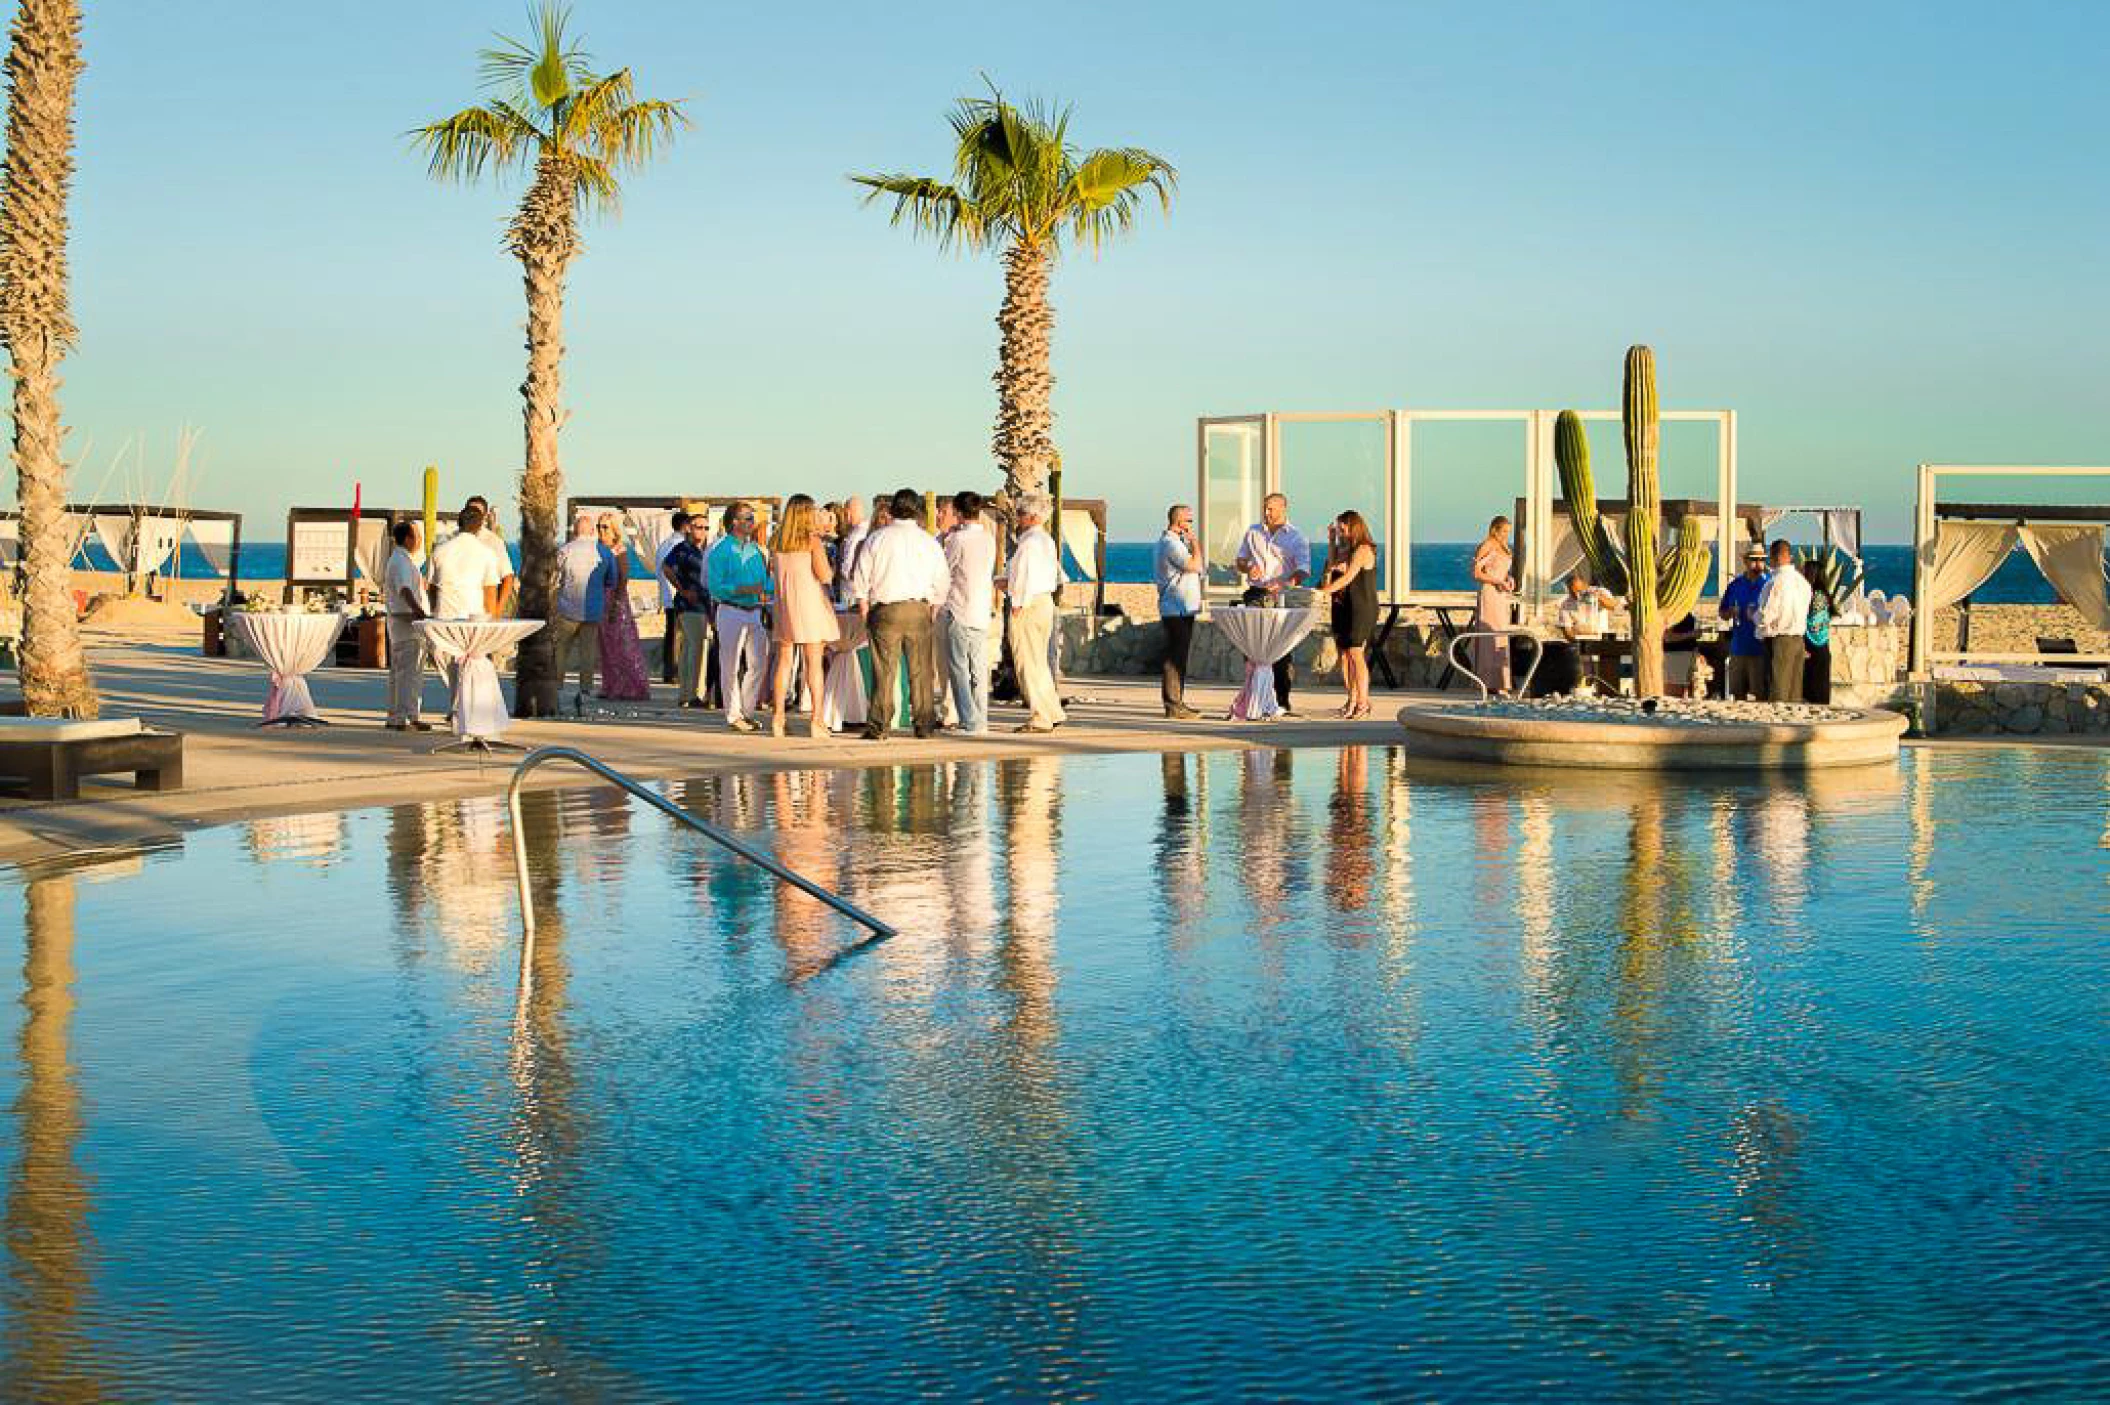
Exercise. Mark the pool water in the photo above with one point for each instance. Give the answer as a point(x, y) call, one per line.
point(1287, 1074)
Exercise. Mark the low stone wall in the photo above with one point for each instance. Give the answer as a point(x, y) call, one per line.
point(2022, 709)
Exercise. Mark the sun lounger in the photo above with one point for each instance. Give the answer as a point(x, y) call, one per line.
point(52, 755)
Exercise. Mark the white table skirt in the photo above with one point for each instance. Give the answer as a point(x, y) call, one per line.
point(1262, 636)
point(479, 703)
point(843, 699)
point(292, 644)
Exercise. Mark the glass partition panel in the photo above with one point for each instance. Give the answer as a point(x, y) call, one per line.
point(1234, 479)
point(1333, 466)
point(1462, 473)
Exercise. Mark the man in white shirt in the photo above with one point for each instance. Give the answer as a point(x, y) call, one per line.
point(970, 558)
point(1582, 613)
point(1274, 557)
point(856, 527)
point(1035, 579)
point(584, 569)
point(465, 576)
point(508, 580)
point(403, 591)
point(900, 578)
point(670, 621)
point(1783, 617)
point(1176, 567)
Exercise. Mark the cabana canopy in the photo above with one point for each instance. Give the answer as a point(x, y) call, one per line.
point(143, 539)
point(1958, 545)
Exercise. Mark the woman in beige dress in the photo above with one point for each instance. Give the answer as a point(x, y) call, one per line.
point(1491, 564)
point(805, 618)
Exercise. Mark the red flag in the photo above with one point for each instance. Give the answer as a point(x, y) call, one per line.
point(355, 501)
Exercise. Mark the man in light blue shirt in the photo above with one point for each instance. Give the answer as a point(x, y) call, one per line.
point(737, 572)
point(1177, 570)
point(584, 570)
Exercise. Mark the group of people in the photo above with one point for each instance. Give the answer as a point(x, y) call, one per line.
point(1779, 611)
point(747, 618)
point(1273, 558)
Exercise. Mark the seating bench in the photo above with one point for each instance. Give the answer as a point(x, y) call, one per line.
point(52, 755)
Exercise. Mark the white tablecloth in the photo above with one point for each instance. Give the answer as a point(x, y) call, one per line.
point(1263, 636)
point(292, 644)
point(479, 703)
point(843, 699)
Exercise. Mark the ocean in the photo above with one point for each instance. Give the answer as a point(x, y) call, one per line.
point(1437, 566)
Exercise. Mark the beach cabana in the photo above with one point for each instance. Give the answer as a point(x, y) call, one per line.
point(1957, 546)
point(143, 539)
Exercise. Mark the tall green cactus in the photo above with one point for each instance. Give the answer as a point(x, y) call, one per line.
point(1659, 583)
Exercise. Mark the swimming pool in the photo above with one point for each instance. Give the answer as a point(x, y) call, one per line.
point(1315, 1074)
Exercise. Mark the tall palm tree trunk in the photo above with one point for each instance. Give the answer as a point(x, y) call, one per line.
point(545, 237)
point(1025, 385)
point(43, 64)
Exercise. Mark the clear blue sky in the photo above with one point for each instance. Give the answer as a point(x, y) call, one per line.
point(1877, 231)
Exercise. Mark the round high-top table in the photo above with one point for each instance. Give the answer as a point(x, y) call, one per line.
point(843, 699)
point(292, 644)
point(1262, 635)
point(480, 716)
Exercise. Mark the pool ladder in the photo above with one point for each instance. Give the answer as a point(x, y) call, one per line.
point(543, 755)
point(1523, 684)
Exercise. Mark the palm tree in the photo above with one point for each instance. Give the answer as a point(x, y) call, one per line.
point(1019, 188)
point(550, 114)
point(43, 63)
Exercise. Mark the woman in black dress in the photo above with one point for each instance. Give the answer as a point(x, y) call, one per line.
point(1351, 582)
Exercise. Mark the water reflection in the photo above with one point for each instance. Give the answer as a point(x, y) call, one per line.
point(48, 1263)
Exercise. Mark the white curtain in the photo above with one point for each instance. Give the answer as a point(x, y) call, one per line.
point(1567, 551)
point(371, 550)
point(1842, 527)
point(78, 526)
point(114, 531)
point(215, 542)
point(1081, 535)
point(157, 542)
point(10, 542)
point(2071, 558)
point(1965, 556)
point(649, 528)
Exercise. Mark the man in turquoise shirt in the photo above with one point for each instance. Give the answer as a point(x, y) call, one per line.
point(737, 573)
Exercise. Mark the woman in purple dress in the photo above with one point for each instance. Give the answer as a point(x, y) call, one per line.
point(622, 657)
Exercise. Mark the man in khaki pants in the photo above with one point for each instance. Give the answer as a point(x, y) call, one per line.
point(1034, 581)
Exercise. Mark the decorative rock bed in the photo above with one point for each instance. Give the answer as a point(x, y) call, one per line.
point(1673, 735)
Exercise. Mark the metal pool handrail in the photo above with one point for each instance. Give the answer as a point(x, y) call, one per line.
point(1523, 684)
point(672, 811)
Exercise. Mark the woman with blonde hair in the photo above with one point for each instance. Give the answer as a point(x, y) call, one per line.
point(805, 620)
point(622, 657)
point(1491, 566)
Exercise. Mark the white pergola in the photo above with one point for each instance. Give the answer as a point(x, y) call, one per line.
point(1240, 459)
point(1930, 562)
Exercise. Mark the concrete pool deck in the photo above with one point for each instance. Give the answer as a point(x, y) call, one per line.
point(235, 770)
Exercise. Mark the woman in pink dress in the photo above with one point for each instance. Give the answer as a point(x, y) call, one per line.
point(805, 618)
point(1491, 564)
point(622, 657)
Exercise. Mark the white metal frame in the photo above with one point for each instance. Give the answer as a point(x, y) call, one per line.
point(1541, 484)
point(1926, 523)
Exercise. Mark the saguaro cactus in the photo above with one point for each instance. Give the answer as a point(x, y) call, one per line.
point(1658, 584)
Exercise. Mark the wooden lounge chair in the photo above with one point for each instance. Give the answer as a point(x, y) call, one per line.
point(52, 755)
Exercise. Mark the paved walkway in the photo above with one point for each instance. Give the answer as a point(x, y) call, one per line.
point(235, 770)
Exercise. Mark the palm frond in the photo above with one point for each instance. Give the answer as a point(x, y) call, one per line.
point(461, 147)
point(540, 72)
point(927, 206)
point(607, 120)
point(1106, 190)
